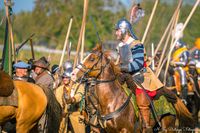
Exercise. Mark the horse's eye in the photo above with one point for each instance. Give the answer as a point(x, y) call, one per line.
point(91, 59)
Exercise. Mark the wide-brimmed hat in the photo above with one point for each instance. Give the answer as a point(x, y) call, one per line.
point(42, 63)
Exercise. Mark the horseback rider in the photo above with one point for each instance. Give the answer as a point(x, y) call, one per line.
point(131, 52)
point(180, 58)
point(44, 76)
point(69, 95)
point(21, 72)
point(195, 56)
point(194, 63)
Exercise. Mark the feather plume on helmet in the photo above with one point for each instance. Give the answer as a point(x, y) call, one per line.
point(177, 32)
point(136, 13)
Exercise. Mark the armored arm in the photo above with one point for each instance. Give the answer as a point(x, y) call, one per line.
point(184, 58)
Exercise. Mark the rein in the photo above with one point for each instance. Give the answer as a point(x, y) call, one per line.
point(94, 81)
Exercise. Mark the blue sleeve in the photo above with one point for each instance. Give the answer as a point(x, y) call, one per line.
point(137, 58)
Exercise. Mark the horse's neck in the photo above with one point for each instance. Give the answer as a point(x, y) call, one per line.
point(108, 92)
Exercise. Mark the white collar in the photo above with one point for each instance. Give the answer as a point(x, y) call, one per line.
point(129, 41)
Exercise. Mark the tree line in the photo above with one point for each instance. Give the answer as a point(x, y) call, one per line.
point(49, 21)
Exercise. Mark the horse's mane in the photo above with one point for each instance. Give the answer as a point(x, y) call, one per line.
point(6, 84)
point(108, 55)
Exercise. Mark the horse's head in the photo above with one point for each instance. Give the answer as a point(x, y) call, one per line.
point(93, 65)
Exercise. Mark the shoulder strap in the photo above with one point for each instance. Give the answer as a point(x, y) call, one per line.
point(135, 42)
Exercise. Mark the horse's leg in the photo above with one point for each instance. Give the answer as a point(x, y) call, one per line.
point(168, 123)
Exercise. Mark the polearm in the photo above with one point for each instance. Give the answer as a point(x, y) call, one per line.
point(23, 43)
point(152, 54)
point(69, 50)
point(66, 42)
point(164, 49)
point(150, 20)
point(83, 44)
point(173, 22)
point(185, 24)
point(166, 30)
point(32, 49)
point(81, 31)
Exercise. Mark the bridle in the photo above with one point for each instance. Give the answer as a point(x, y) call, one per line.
point(86, 70)
point(95, 81)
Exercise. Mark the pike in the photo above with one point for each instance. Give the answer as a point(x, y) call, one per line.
point(174, 43)
point(167, 28)
point(150, 20)
point(66, 42)
point(32, 50)
point(164, 49)
point(23, 43)
point(69, 50)
point(81, 31)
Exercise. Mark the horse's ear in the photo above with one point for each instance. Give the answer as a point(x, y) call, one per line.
point(98, 48)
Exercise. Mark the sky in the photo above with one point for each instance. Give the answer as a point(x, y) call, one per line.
point(20, 5)
point(28, 5)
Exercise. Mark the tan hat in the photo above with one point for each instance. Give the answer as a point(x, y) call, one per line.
point(42, 62)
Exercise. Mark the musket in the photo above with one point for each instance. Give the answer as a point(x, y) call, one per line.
point(23, 43)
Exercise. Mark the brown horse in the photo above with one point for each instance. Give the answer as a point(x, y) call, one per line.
point(33, 102)
point(115, 111)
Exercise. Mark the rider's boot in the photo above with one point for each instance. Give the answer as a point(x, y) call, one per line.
point(143, 105)
point(184, 93)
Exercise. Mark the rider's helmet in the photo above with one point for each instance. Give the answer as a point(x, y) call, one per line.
point(67, 66)
point(125, 27)
point(179, 44)
point(54, 69)
point(67, 73)
point(197, 43)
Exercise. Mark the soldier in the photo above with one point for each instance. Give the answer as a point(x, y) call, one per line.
point(195, 55)
point(131, 52)
point(21, 72)
point(43, 77)
point(180, 58)
point(70, 98)
point(194, 63)
point(55, 71)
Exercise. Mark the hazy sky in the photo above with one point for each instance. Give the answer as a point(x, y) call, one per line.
point(27, 5)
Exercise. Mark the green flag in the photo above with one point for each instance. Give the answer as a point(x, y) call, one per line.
point(7, 50)
point(6, 57)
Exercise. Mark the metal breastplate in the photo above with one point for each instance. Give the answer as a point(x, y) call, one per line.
point(125, 54)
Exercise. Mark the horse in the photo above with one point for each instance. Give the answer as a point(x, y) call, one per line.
point(114, 106)
point(193, 100)
point(33, 102)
